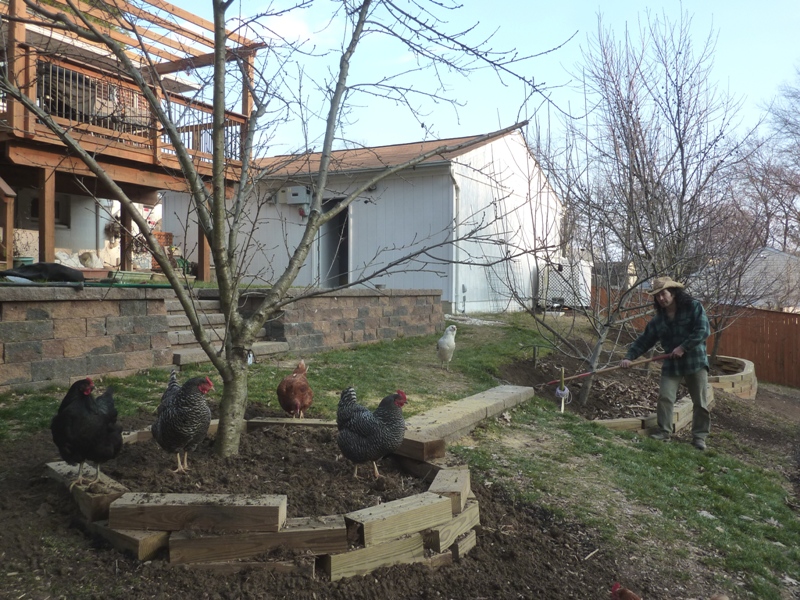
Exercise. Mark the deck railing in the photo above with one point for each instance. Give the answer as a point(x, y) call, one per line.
point(113, 109)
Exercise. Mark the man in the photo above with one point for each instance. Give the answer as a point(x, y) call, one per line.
point(681, 326)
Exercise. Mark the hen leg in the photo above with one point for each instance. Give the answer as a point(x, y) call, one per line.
point(186, 461)
point(96, 476)
point(375, 470)
point(180, 468)
point(79, 480)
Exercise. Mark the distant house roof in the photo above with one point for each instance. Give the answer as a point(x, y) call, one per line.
point(370, 159)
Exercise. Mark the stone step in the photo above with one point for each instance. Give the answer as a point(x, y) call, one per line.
point(174, 306)
point(182, 321)
point(185, 356)
point(185, 337)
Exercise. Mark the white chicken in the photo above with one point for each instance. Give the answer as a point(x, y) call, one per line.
point(446, 346)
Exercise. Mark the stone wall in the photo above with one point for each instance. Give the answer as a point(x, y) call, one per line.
point(348, 318)
point(57, 335)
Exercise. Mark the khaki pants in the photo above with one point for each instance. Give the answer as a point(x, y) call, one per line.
point(697, 383)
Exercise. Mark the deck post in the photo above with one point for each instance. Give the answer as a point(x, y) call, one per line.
point(7, 222)
point(203, 256)
point(47, 214)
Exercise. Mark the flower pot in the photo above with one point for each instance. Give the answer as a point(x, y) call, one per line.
point(22, 260)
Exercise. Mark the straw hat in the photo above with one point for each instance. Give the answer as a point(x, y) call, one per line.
point(663, 283)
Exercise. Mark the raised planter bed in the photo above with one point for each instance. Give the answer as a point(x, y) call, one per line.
point(739, 378)
point(212, 532)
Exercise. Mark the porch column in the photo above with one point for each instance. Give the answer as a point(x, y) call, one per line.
point(7, 195)
point(125, 240)
point(203, 256)
point(47, 215)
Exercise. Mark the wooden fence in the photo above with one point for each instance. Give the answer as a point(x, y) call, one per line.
point(770, 339)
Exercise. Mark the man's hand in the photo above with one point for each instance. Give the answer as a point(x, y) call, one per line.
point(625, 363)
point(678, 352)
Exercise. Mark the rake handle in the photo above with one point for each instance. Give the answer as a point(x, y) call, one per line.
point(609, 369)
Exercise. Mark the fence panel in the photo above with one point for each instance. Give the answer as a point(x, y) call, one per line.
point(770, 339)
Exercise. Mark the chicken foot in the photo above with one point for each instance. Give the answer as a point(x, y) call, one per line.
point(182, 467)
point(79, 481)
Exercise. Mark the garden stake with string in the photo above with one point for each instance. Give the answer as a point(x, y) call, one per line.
point(563, 392)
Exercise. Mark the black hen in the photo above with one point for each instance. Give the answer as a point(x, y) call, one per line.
point(86, 429)
point(368, 436)
point(183, 417)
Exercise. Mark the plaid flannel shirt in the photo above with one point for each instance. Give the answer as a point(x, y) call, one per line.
point(689, 328)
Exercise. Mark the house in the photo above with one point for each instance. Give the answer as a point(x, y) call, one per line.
point(50, 194)
point(772, 281)
point(492, 198)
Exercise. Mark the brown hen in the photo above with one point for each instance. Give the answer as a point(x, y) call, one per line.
point(294, 393)
point(619, 592)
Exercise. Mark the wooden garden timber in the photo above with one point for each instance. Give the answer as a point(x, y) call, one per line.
point(140, 543)
point(455, 484)
point(220, 512)
point(442, 537)
point(86, 91)
point(93, 502)
point(378, 524)
point(365, 560)
point(318, 535)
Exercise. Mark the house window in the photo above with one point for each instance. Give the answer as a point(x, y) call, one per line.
point(61, 211)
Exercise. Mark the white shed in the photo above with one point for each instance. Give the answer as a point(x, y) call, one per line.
point(493, 198)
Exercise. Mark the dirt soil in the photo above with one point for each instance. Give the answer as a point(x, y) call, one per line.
point(523, 550)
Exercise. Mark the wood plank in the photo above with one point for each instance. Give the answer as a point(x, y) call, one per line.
point(455, 484)
point(440, 560)
point(255, 424)
point(464, 545)
point(365, 560)
point(426, 471)
point(141, 544)
point(302, 567)
point(93, 503)
point(378, 524)
point(624, 424)
point(441, 538)
point(421, 446)
point(317, 535)
point(220, 512)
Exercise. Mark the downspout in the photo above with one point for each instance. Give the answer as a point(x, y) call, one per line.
point(455, 286)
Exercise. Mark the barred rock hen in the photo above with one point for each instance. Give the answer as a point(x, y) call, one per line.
point(294, 393)
point(446, 346)
point(183, 417)
point(368, 436)
point(85, 428)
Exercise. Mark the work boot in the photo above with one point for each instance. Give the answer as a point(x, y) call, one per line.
point(699, 443)
point(661, 436)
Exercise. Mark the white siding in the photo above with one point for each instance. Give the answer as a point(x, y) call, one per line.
point(502, 184)
point(405, 214)
point(498, 184)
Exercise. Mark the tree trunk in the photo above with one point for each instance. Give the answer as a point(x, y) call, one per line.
point(231, 410)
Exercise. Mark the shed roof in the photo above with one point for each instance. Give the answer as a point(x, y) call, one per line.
point(373, 158)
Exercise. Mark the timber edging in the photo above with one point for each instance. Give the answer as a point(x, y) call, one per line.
point(739, 380)
point(436, 527)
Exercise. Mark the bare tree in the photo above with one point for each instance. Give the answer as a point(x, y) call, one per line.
point(644, 173)
point(277, 91)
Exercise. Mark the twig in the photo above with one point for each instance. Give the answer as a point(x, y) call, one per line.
point(591, 554)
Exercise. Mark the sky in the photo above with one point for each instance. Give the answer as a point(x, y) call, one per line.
point(757, 50)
